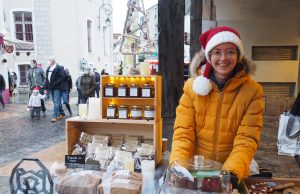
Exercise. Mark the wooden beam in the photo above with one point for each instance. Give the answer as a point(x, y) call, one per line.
point(196, 26)
point(171, 52)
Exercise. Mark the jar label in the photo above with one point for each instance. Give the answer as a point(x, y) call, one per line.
point(136, 113)
point(122, 92)
point(110, 112)
point(108, 91)
point(134, 92)
point(123, 114)
point(149, 114)
point(146, 92)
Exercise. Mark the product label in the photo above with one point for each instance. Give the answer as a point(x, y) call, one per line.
point(108, 91)
point(122, 92)
point(149, 114)
point(136, 113)
point(146, 92)
point(110, 112)
point(123, 114)
point(74, 161)
point(134, 92)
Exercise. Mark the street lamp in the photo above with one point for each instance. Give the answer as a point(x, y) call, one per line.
point(108, 11)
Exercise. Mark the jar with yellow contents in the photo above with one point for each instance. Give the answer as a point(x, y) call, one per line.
point(149, 113)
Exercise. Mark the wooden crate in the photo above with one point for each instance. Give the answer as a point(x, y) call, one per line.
point(277, 181)
point(147, 129)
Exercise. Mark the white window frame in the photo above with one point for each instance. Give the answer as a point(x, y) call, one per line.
point(92, 35)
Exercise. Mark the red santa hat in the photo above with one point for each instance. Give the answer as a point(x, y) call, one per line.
point(209, 40)
point(36, 89)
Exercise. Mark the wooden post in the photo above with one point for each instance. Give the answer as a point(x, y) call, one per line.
point(196, 26)
point(171, 52)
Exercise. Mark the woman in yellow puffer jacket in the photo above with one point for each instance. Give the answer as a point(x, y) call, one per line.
point(220, 112)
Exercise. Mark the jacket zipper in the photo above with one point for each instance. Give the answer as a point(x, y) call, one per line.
point(219, 108)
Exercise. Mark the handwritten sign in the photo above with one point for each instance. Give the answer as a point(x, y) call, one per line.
point(74, 161)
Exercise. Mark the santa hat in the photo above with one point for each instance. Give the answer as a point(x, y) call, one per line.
point(36, 89)
point(209, 40)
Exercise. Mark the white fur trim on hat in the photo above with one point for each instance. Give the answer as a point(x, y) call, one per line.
point(223, 37)
point(202, 86)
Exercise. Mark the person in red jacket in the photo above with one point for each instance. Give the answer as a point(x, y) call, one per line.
point(219, 114)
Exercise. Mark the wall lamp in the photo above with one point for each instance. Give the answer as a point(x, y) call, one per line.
point(108, 11)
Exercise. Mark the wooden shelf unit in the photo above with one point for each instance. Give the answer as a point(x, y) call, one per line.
point(147, 129)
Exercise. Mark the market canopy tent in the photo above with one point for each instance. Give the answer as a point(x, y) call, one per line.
point(19, 44)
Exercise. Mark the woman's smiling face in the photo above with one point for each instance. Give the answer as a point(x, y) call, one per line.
point(223, 59)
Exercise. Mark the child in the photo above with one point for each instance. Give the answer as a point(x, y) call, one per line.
point(34, 103)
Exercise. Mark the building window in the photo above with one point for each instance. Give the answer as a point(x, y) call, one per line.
point(272, 53)
point(278, 88)
point(89, 35)
point(23, 69)
point(106, 40)
point(23, 25)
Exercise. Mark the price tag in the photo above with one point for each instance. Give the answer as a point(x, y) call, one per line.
point(74, 161)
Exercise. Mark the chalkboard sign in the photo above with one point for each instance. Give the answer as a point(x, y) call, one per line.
point(74, 161)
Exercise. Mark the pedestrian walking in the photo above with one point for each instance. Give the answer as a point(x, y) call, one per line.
point(77, 84)
point(35, 104)
point(220, 112)
point(36, 78)
point(55, 76)
point(2, 88)
point(97, 77)
point(87, 85)
point(67, 86)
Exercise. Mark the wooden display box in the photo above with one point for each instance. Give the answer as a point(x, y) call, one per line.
point(277, 181)
point(147, 129)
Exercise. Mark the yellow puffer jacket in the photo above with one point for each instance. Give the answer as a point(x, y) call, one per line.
point(223, 126)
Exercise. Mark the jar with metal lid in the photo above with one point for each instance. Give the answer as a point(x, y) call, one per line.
point(123, 112)
point(136, 112)
point(111, 111)
point(134, 91)
point(109, 90)
point(122, 90)
point(149, 113)
point(147, 91)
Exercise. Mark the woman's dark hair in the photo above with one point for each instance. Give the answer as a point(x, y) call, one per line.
point(103, 72)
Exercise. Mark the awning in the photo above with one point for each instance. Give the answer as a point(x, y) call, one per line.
point(19, 44)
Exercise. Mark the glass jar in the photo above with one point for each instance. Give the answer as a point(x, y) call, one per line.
point(134, 91)
point(123, 90)
point(111, 111)
point(147, 91)
point(123, 112)
point(109, 90)
point(136, 112)
point(149, 113)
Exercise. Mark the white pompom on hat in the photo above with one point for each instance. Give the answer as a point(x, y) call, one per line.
point(209, 40)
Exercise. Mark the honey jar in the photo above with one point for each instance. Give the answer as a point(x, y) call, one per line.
point(149, 113)
point(122, 90)
point(123, 112)
point(136, 112)
point(134, 91)
point(109, 90)
point(147, 91)
point(111, 111)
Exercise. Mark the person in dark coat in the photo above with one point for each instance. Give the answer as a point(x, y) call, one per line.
point(55, 76)
point(2, 87)
point(67, 86)
point(97, 77)
point(87, 85)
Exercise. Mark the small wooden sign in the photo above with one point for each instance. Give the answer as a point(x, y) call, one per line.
point(74, 161)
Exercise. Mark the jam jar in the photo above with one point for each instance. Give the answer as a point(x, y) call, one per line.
point(111, 111)
point(147, 91)
point(123, 112)
point(136, 112)
point(134, 91)
point(109, 90)
point(122, 90)
point(149, 113)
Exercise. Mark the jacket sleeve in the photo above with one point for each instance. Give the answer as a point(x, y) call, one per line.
point(247, 138)
point(93, 86)
point(29, 77)
point(183, 145)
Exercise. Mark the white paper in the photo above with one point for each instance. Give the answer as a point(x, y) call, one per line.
point(110, 112)
point(133, 92)
point(108, 91)
point(123, 114)
point(136, 113)
point(146, 92)
point(122, 92)
point(94, 108)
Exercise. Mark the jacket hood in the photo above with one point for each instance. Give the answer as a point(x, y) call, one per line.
point(199, 60)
